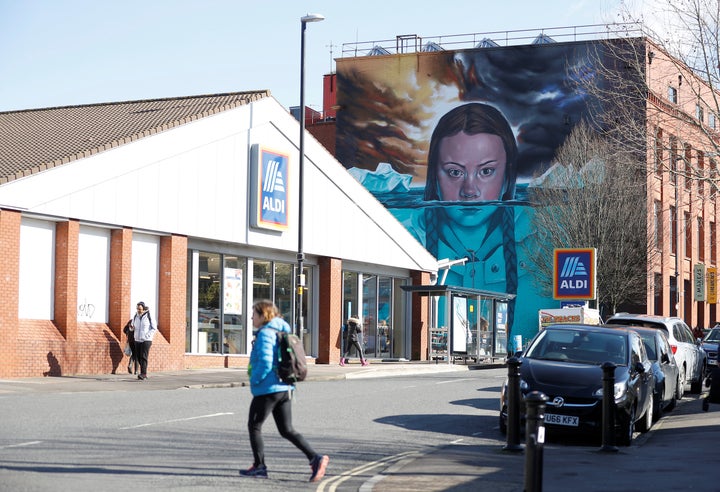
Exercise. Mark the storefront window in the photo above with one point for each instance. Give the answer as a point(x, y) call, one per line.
point(234, 336)
point(378, 301)
point(209, 287)
point(275, 281)
point(216, 294)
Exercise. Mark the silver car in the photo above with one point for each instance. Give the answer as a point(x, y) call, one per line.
point(691, 359)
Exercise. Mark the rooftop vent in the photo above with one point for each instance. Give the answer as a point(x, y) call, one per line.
point(432, 46)
point(543, 39)
point(377, 51)
point(487, 43)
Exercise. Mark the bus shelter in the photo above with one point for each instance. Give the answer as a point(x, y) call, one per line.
point(465, 323)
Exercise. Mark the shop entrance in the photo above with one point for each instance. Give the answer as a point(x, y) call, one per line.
point(377, 301)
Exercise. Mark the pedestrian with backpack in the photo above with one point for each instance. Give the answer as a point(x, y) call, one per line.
point(271, 394)
point(144, 330)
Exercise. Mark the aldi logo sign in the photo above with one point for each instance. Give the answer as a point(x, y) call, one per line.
point(574, 273)
point(269, 189)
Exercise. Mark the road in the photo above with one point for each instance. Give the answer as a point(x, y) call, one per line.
point(196, 439)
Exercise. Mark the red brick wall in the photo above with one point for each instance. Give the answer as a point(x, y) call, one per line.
point(330, 319)
point(119, 306)
point(66, 278)
point(9, 290)
point(171, 318)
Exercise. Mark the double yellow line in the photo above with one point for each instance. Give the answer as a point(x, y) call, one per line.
point(331, 484)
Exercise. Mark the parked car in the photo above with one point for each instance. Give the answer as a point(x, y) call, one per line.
point(689, 356)
point(664, 367)
point(564, 362)
point(710, 345)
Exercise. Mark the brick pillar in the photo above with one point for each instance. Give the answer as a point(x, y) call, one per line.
point(172, 294)
point(9, 289)
point(420, 321)
point(67, 236)
point(120, 269)
point(330, 320)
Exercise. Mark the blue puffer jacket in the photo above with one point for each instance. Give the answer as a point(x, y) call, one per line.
point(263, 359)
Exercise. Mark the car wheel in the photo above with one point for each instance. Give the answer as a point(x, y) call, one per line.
point(658, 410)
point(647, 420)
point(681, 384)
point(627, 429)
point(696, 386)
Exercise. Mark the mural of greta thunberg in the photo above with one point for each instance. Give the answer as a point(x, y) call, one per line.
point(473, 158)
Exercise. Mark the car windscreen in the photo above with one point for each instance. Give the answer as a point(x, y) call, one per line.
point(579, 346)
point(713, 336)
point(642, 324)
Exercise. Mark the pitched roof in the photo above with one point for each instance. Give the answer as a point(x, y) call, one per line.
point(34, 140)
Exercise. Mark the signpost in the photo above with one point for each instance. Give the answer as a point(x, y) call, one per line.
point(712, 285)
point(574, 273)
point(699, 282)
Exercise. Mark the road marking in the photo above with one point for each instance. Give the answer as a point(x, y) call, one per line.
point(453, 381)
point(177, 420)
point(333, 483)
point(20, 444)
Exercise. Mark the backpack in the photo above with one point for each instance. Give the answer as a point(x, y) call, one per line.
point(292, 364)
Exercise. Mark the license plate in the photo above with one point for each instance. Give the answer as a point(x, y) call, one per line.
point(551, 418)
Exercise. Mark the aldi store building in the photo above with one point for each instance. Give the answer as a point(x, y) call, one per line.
point(191, 206)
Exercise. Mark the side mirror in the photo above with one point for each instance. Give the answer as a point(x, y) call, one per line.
point(518, 353)
point(665, 358)
point(639, 367)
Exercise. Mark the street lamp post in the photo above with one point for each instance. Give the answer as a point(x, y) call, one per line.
point(301, 173)
point(678, 243)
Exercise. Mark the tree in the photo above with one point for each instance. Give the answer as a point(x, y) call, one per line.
point(672, 74)
point(594, 196)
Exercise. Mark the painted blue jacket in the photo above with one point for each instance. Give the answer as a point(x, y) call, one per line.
point(263, 360)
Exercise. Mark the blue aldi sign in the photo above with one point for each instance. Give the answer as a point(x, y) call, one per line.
point(269, 189)
point(574, 273)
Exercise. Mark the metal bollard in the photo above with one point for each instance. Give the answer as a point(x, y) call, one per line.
point(608, 408)
point(534, 440)
point(513, 405)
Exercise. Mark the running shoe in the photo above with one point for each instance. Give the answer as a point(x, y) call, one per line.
point(255, 472)
point(318, 465)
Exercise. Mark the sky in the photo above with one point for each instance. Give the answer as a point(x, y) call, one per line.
point(73, 52)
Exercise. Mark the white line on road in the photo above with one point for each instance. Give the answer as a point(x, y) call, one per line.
point(20, 444)
point(453, 381)
point(177, 420)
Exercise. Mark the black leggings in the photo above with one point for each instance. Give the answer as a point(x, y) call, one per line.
point(358, 347)
point(142, 349)
point(280, 405)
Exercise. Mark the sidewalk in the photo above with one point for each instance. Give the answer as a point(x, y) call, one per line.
point(216, 378)
point(677, 454)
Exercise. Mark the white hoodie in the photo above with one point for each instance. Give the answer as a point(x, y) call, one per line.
point(144, 327)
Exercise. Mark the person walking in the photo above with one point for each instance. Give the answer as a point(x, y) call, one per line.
point(129, 331)
point(353, 338)
point(144, 330)
point(271, 395)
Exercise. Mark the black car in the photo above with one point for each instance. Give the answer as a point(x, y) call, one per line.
point(664, 367)
point(710, 345)
point(564, 362)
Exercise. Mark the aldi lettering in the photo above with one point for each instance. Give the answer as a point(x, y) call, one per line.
point(273, 205)
point(573, 284)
